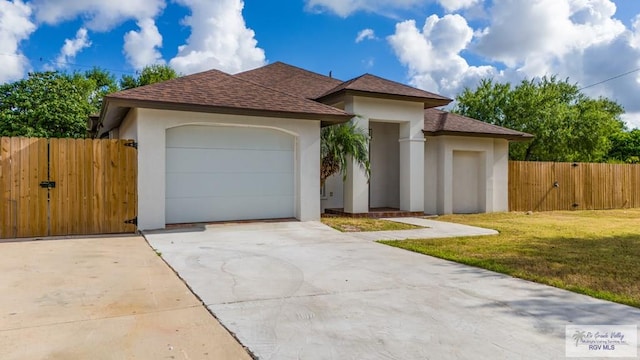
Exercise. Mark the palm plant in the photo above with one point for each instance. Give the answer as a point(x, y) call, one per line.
point(338, 144)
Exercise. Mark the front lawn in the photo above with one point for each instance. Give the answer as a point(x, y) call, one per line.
point(347, 224)
point(591, 252)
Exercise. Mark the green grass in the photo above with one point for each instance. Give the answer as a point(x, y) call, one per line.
point(346, 224)
point(590, 252)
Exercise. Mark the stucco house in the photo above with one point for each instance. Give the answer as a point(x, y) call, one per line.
point(217, 147)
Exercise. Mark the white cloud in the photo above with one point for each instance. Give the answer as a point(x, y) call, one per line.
point(15, 26)
point(433, 53)
point(99, 15)
point(72, 47)
point(219, 39)
point(632, 119)
point(455, 5)
point(344, 8)
point(141, 47)
point(578, 39)
point(366, 34)
point(635, 33)
point(535, 33)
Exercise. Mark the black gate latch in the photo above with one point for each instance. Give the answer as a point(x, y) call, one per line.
point(48, 184)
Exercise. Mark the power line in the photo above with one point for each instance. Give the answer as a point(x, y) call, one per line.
point(609, 79)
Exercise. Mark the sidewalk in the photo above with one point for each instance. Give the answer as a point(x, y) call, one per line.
point(433, 229)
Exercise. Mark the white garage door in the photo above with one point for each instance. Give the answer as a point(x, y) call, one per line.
point(217, 173)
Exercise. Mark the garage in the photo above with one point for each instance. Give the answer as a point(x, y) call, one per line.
point(220, 173)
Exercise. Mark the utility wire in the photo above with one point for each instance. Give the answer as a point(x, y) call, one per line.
point(609, 79)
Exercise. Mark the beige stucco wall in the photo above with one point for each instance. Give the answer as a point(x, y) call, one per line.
point(333, 196)
point(440, 184)
point(129, 127)
point(149, 127)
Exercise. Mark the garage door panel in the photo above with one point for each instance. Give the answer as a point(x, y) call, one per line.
point(213, 209)
point(195, 160)
point(228, 185)
point(217, 137)
point(227, 173)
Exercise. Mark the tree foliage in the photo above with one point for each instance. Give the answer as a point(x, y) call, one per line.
point(56, 104)
point(103, 83)
point(46, 104)
point(568, 125)
point(338, 144)
point(625, 147)
point(149, 75)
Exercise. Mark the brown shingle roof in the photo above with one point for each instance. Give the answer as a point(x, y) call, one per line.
point(291, 80)
point(374, 86)
point(215, 91)
point(438, 122)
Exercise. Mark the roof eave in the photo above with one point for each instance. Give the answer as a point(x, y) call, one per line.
point(340, 95)
point(509, 137)
point(126, 104)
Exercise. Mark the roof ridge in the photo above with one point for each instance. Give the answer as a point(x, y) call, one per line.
point(291, 66)
point(400, 88)
point(286, 93)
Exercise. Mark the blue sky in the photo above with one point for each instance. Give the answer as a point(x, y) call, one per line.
point(438, 45)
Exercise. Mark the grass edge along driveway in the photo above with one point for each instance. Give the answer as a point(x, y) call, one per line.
point(590, 252)
point(347, 224)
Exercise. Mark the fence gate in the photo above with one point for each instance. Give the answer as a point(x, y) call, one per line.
point(54, 187)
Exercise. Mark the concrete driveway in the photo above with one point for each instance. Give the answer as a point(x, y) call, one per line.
point(305, 291)
point(101, 298)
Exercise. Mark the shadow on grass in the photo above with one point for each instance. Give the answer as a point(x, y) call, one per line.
point(551, 309)
point(603, 267)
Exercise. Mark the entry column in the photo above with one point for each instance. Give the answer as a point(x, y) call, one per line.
point(356, 187)
point(411, 166)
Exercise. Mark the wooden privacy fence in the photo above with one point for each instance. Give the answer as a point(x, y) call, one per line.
point(547, 186)
point(53, 187)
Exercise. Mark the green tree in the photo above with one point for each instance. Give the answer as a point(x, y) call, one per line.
point(625, 147)
point(149, 75)
point(568, 125)
point(102, 83)
point(46, 104)
point(338, 144)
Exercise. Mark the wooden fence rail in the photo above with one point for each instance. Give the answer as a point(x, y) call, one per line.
point(53, 187)
point(547, 186)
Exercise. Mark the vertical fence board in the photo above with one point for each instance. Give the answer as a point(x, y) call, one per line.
point(98, 201)
point(111, 187)
point(131, 185)
point(55, 202)
point(589, 186)
point(6, 193)
point(42, 197)
point(87, 168)
point(15, 183)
